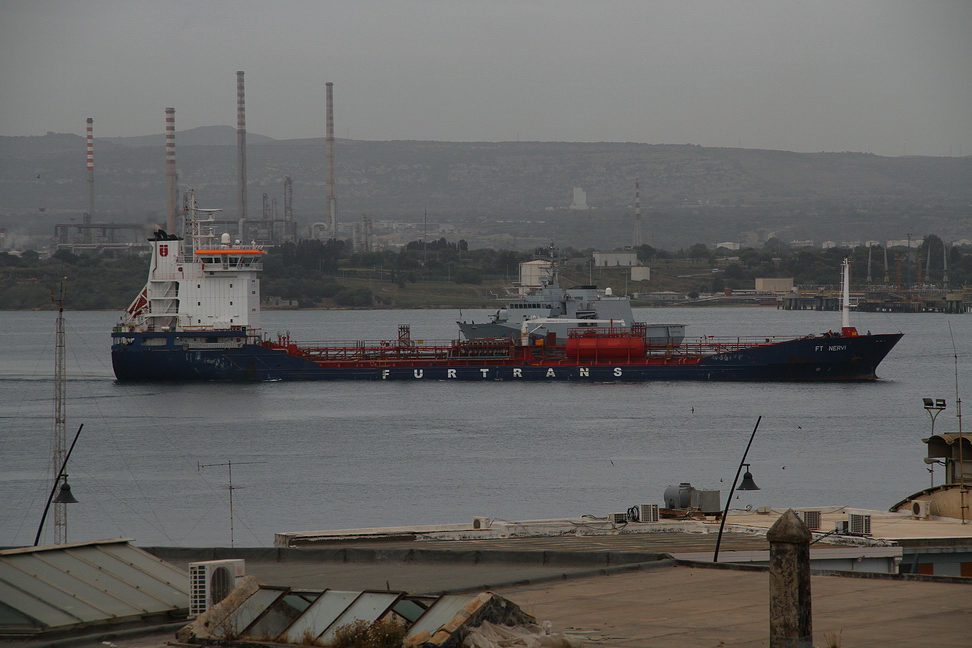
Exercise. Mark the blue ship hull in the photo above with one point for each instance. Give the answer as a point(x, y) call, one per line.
point(224, 356)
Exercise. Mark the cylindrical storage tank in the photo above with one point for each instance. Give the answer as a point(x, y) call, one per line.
point(678, 497)
point(605, 347)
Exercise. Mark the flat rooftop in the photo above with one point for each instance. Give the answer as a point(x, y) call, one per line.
point(664, 605)
point(617, 589)
point(899, 527)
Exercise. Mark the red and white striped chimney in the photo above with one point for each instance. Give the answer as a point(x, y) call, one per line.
point(329, 144)
point(240, 155)
point(90, 213)
point(171, 214)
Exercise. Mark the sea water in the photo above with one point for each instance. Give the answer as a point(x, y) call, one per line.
point(152, 461)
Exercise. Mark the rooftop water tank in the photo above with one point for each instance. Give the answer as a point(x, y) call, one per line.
point(678, 497)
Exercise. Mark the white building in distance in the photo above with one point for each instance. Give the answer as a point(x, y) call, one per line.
point(580, 199)
point(604, 259)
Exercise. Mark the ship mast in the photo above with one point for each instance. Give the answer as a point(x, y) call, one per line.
point(845, 327)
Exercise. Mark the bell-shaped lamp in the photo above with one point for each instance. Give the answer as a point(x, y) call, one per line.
point(747, 481)
point(64, 495)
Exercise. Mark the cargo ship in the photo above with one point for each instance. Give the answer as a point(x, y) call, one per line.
point(198, 319)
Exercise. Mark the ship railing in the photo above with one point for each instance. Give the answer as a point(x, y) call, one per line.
point(713, 344)
point(232, 267)
point(365, 350)
point(603, 331)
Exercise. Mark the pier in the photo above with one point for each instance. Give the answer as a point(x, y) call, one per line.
point(880, 301)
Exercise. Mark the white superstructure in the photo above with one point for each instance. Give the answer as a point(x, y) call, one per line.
point(198, 284)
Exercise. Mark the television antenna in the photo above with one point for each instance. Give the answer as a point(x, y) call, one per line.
point(229, 465)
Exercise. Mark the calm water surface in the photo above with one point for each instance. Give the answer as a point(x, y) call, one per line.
point(310, 456)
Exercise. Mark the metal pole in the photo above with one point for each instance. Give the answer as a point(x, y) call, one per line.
point(60, 404)
point(725, 513)
point(963, 489)
point(230, 464)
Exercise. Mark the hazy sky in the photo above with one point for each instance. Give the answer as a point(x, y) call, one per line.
point(882, 76)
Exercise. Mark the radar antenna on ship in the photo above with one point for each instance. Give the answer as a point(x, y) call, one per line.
point(199, 232)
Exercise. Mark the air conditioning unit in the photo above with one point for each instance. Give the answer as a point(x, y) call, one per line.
point(618, 518)
point(921, 510)
point(647, 512)
point(212, 581)
point(811, 519)
point(840, 527)
point(480, 522)
point(858, 524)
point(707, 501)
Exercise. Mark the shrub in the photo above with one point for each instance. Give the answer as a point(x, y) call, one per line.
point(359, 634)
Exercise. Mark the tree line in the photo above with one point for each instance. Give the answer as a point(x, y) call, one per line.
point(315, 272)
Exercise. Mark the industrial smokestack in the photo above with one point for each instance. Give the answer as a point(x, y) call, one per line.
point(90, 213)
point(288, 199)
point(290, 228)
point(240, 154)
point(331, 198)
point(172, 193)
point(637, 227)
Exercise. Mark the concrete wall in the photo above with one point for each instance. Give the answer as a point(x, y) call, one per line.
point(774, 284)
point(606, 259)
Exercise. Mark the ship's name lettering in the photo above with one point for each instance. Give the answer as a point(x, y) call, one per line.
point(832, 347)
point(517, 372)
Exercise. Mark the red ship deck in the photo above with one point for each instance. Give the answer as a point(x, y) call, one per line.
point(602, 346)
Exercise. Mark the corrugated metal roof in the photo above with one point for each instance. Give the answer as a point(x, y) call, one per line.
point(109, 581)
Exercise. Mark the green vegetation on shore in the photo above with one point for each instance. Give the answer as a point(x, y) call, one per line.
point(317, 274)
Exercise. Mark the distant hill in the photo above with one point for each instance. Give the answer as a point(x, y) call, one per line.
point(202, 136)
point(505, 193)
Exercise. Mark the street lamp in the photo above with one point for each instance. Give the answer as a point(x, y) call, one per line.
point(931, 468)
point(747, 484)
point(61, 488)
point(934, 407)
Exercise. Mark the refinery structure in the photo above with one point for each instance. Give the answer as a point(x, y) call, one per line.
point(271, 228)
point(276, 225)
